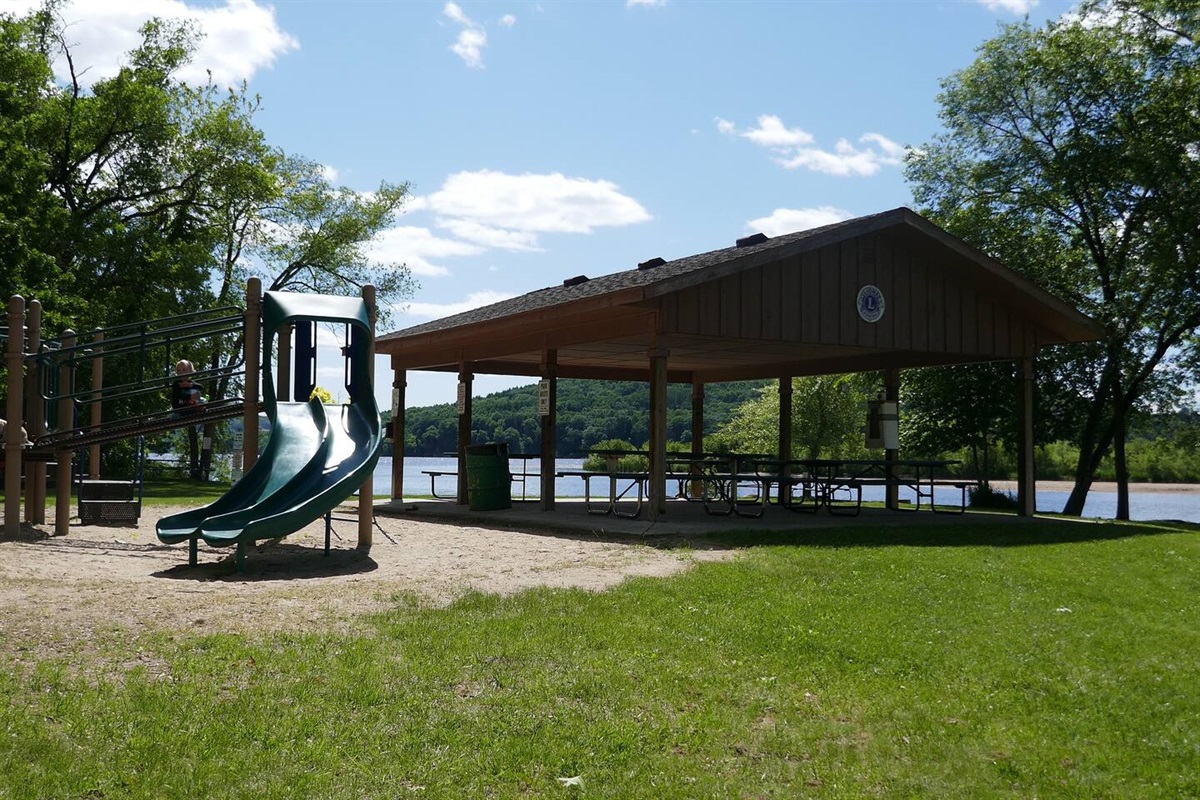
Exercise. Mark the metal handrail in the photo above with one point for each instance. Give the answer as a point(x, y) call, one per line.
point(134, 342)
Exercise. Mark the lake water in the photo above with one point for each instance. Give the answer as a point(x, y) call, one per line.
point(1142, 505)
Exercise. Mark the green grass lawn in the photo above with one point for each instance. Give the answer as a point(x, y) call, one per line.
point(979, 661)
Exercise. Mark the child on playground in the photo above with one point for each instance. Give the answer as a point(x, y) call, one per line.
point(185, 393)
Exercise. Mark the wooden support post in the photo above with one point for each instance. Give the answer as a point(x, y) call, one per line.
point(1026, 481)
point(891, 393)
point(399, 384)
point(549, 424)
point(66, 419)
point(97, 411)
point(464, 430)
point(658, 432)
point(35, 418)
point(252, 357)
point(15, 358)
point(696, 488)
point(366, 492)
point(785, 432)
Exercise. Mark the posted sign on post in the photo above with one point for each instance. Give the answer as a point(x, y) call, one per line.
point(462, 398)
point(544, 397)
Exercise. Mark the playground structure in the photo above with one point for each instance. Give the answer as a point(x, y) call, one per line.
point(44, 396)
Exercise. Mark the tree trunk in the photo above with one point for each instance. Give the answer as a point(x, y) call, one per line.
point(1094, 441)
point(1119, 420)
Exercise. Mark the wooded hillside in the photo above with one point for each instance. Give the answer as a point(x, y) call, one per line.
point(588, 412)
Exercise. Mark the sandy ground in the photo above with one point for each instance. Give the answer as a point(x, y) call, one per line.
point(103, 581)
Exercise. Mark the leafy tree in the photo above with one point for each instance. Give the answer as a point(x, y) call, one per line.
point(139, 195)
point(1079, 143)
point(828, 414)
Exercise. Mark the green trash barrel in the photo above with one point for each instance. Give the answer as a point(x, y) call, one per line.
point(489, 484)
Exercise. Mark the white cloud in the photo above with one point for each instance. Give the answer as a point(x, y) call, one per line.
point(473, 301)
point(789, 220)
point(489, 210)
point(795, 148)
point(471, 39)
point(645, 3)
point(415, 246)
point(1011, 6)
point(455, 13)
point(771, 132)
point(331, 174)
point(240, 37)
point(488, 236)
point(531, 203)
point(508, 20)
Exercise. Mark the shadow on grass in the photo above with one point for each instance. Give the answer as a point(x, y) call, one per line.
point(275, 561)
point(1008, 533)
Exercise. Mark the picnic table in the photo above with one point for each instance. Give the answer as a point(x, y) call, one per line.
point(836, 484)
point(612, 504)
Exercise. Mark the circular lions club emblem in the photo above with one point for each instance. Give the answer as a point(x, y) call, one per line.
point(870, 303)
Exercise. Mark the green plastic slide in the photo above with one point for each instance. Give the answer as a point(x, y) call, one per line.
point(317, 455)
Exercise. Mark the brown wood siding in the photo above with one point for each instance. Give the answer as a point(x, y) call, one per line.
point(771, 301)
point(751, 297)
point(847, 314)
point(792, 295)
point(810, 298)
point(882, 271)
point(955, 297)
point(830, 268)
point(810, 309)
point(935, 320)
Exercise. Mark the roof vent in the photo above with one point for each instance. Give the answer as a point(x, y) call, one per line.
point(652, 263)
point(578, 279)
point(752, 239)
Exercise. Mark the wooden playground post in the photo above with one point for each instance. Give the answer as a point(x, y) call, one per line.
point(97, 406)
point(12, 432)
point(35, 418)
point(253, 354)
point(66, 420)
point(366, 492)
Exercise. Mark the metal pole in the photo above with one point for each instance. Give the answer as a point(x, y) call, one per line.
point(12, 432)
point(366, 492)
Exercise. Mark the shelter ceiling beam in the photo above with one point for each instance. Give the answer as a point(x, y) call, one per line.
point(500, 367)
point(839, 365)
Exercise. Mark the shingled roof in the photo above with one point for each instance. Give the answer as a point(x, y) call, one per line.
point(629, 279)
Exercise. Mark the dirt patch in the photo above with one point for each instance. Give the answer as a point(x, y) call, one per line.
point(101, 581)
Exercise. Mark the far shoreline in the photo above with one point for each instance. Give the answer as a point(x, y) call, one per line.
point(1105, 487)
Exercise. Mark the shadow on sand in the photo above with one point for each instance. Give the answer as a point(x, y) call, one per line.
point(275, 561)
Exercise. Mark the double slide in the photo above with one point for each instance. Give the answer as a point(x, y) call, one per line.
point(317, 455)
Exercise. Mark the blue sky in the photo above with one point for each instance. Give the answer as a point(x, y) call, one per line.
point(543, 140)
